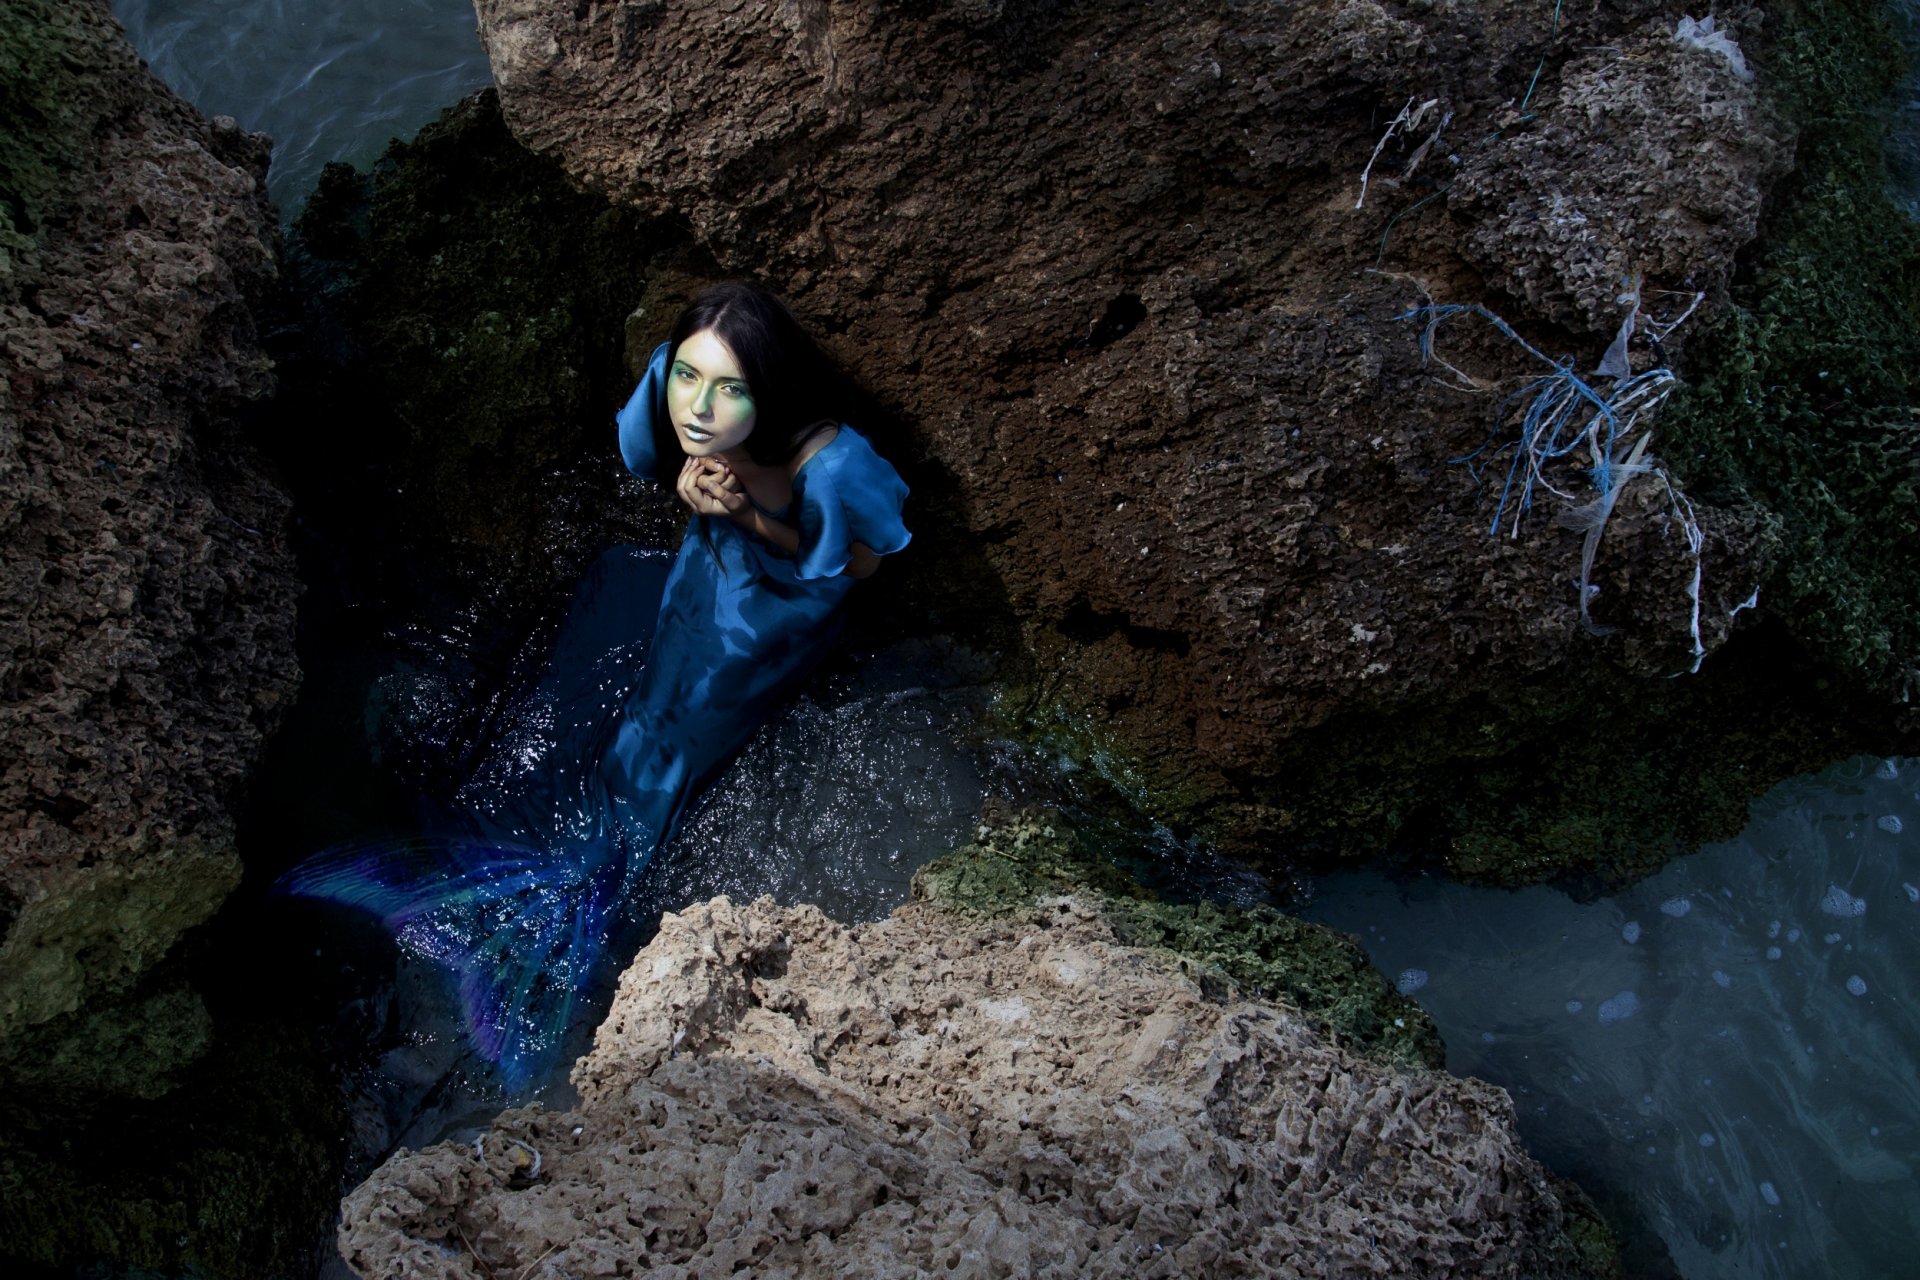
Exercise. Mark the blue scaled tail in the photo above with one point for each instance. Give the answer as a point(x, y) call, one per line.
point(521, 929)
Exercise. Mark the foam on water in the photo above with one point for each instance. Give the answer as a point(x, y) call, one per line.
point(1751, 1089)
point(329, 79)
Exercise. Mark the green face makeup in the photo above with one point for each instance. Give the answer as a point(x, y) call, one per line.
point(708, 398)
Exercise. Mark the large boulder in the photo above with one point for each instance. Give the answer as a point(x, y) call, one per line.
point(937, 1094)
point(1140, 278)
point(146, 587)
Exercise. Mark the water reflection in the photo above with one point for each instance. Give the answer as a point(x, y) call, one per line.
point(1730, 1047)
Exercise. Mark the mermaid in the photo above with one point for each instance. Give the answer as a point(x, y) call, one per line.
point(740, 412)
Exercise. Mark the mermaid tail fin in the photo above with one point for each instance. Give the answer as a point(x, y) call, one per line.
point(521, 929)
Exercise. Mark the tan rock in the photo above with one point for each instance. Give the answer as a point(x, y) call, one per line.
point(774, 1094)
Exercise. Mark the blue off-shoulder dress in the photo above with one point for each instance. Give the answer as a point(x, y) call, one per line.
point(741, 622)
point(640, 707)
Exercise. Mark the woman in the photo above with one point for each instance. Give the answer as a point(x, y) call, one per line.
point(790, 506)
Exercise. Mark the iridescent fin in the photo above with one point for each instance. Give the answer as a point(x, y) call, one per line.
point(521, 929)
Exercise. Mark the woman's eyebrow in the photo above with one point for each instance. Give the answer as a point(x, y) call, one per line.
point(690, 367)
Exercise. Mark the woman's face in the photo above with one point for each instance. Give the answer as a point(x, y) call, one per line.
point(707, 397)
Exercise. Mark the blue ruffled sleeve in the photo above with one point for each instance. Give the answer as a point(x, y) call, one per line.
point(844, 494)
point(645, 410)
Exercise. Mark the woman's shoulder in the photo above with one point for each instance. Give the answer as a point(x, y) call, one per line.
point(813, 446)
point(845, 471)
point(845, 454)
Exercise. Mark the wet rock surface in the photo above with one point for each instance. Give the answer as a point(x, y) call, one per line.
point(1170, 406)
point(776, 1094)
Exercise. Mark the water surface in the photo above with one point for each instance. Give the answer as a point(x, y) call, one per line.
point(328, 79)
point(1731, 1048)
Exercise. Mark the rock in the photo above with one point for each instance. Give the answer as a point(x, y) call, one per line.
point(776, 1094)
point(461, 335)
point(1106, 262)
point(146, 588)
point(1645, 158)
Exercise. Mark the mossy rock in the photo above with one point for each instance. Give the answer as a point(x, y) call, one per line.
point(1020, 857)
point(453, 356)
point(230, 1176)
point(1800, 401)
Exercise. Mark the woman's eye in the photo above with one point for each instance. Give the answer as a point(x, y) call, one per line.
point(735, 390)
point(683, 373)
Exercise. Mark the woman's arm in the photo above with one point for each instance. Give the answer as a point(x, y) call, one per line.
point(717, 492)
point(860, 564)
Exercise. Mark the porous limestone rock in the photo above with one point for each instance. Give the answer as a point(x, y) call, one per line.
point(146, 587)
point(774, 1094)
point(1647, 158)
point(1111, 264)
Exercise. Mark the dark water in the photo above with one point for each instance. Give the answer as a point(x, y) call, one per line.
point(1731, 1048)
point(1903, 142)
point(329, 79)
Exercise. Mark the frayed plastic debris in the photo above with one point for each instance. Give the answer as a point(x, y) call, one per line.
point(1703, 34)
point(1559, 415)
point(1410, 118)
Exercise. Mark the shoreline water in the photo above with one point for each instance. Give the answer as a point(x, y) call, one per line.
point(328, 81)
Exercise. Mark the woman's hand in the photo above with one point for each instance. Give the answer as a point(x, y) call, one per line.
point(710, 488)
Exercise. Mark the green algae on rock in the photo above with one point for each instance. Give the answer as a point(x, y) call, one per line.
point(1801, 394)
point(459, 357)
point(1020, 857)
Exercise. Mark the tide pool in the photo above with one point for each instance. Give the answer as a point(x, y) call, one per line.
point(1729, 1051)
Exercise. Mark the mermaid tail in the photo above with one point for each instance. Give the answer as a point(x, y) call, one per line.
point(521, 929)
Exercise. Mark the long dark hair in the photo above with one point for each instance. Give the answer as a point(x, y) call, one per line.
point(796, 390)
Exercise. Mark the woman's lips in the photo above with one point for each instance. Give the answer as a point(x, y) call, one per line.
point(695, 434)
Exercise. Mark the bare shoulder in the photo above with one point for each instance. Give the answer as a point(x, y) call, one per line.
point(826, 434)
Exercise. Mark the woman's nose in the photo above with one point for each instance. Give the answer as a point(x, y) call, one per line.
point(703, 403)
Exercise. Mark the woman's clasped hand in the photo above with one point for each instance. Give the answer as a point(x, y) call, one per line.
point(710, 488)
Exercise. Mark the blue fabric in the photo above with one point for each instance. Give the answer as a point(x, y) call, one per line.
point(741, 622)
point(660, 673)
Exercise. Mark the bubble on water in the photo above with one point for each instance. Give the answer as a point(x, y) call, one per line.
point(1620, 1008)
point(1913, 891)
point(1676, 907)
point(1773, 928)
point(1889, 823)
point(1630, 932)
point(1706, 1139)
point(1486, 1037)
point(1722, 978)
point(1839, 902)
point(1856, 985)
point(1830, 938)
point(1768, 1194)
point(1793, 935)
point(1575, 1006)
point(1888, 770)
point(1773, 953)
point(1410, 981)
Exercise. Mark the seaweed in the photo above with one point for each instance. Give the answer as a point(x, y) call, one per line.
point(1020, 857)
point(1801, 393)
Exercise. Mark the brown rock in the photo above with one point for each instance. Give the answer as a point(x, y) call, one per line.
point(146, 588)
point(1106, 259)
point(774, 1094)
